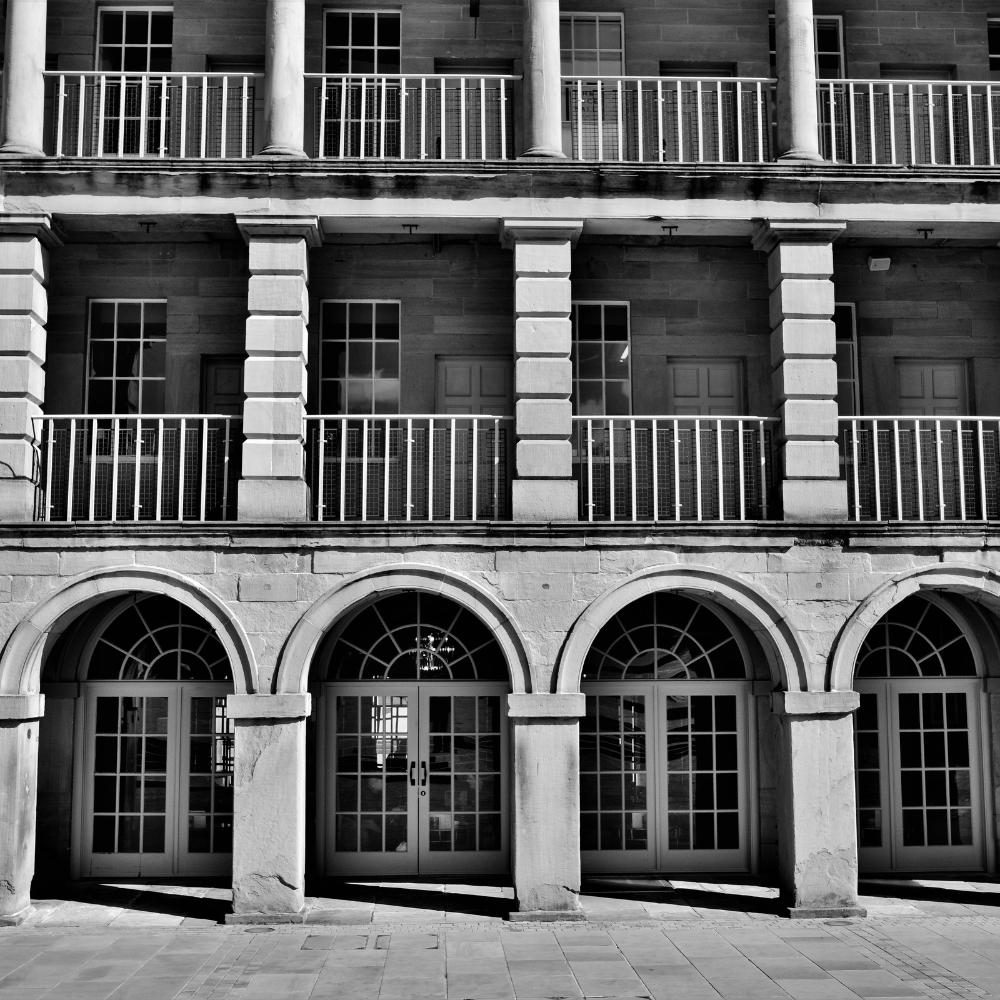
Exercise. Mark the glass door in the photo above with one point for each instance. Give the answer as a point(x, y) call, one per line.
point(415, 779)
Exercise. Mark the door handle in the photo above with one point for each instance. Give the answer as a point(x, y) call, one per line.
point(423, 773)
point(413, 779)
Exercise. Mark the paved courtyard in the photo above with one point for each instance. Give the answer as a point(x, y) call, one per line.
point(644, 938)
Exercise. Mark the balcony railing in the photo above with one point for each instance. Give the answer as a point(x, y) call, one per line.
point(173, 115)
point(921, 469)
point(663, 120)
point(149, 468)
point(909, 122)
point(410, 468)
point(675, 468)
point(443, 117)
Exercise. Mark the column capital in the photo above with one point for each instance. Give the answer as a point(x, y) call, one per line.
point(769, 233)
point(269, 706)
point(37, 224)
point(805, 703)
point(21, 707)
point(260, 227)
point(546, 706)
point(513, 230)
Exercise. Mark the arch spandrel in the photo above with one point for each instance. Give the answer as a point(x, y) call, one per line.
point(22, 656)
point(782, 648)
point(976, 583)
point(292, 675)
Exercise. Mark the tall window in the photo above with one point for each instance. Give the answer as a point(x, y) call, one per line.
point(848, 394)
point(359, 357)
point(135, 41)
point(592, 44)
point(362, 42)
point(601, 365)
point(127, 356)
point(993, 43)
point(828, 36)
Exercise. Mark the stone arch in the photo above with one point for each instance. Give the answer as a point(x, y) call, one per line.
point(296, 658)
point(21, 659)
point(786, 658)
point(976, 583)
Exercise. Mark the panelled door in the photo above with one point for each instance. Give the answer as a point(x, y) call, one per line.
point(416, 780)
point(706, 388)
point(932, 388)
point(920, 795)
point(222, 384)
point(474, 386)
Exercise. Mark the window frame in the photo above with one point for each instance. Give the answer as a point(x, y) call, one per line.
point(114, 378)
point(345, 379)
point(350, 12)
point(993, 25)
point(773, 48)
point(855, 379)
point(575, 379)
point(129, 9)
point(568, 16)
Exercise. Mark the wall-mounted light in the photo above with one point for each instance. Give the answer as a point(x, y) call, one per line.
point(879, 263)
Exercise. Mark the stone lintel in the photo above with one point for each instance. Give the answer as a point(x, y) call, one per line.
point(813, 702)
point(512, 230)
point(770, 233)
point(281, 226)
point(20, 707)
point(37, 224)
point(269, 706)
point(546, 706)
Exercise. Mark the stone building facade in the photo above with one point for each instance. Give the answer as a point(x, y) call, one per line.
point(460, 440)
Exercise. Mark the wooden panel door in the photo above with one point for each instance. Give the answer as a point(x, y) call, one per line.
point(222, 384)
point(932, 388)
point(474, 385)
point(705, 388)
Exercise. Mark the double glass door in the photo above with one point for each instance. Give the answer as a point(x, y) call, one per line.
point(414, 780)
point(664, 777)
point(158, 780)
point(919, 783)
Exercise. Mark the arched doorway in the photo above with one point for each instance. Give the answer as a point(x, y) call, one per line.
point(918, 744)
point(665, 746)
point(154, 794)
point(412, 775)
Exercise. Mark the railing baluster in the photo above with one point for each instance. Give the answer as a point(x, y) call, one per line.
point(899, 472)
point(697, 466)
point(741, 470)
point(430, 470)
point(600, 121)
point(385, 449)
point(246, 120)
point(833, 123)
point(225, 474)
point(363, 118)
point(462, 124)
point(983, 510)
point(320, 482)
point(972, 134)
point(659, 117)
point(656, 473)
point(444, 116)
point(451, 476)
point(163, 117)
point(611, 464)
point(122, 97)
point(402, 118)
point(621, 124)
point(632, 464)
point(590, 469)
point(482, 117)
point(930, 121)
point(961, 467)
point(61, 115)
point(343, 469)
point(93, 470)
point(951, 124)
point(760, 124)
point(72, 473)
point(475, 467)
point(81, 111)
point(496, 467)
point(159, 471)
point(871, 123)
point(722, 499)
point(48, 471)
point(851, 126)
point(183, 469)
point(892, 125)
point(184, 110)
point(739, 122)
point(579, 119)
point(701, 124)
point(854, 470)
point(680, 122)
point(100, 117)
point(638, 111)
point(204, 117)
point(503, 119)
point(136, 505)
point(423, 118)
point(940, 470)
point(763, 474)
point(409, 469)
point(920, 474)
point(677, 470)
point(224, 117)
point(989, 124)
point(913, 142)
point(115, 446)
point(343, 116)
point(878, 483)
point(143, 113)
point(382, 122)
point(204, 468)
point(364, 469)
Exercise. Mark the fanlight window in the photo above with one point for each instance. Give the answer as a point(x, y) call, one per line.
point(158, 639)
point(665, 637)
point(917, 638)
point(416, 636)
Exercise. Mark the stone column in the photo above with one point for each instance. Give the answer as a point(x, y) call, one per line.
point(23, 113)
point(543, 377)
point(817, 819)
point(284, 78)
point(798, 122)
point(19, 715)
point(269, 807)
point(546, 827)
point(542, 79)
point(273, 486)
point(803, 353)
point(24, 264)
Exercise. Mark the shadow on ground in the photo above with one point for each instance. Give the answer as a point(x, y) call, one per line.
point(746, 898)
point(485, 899)
point(198, 900)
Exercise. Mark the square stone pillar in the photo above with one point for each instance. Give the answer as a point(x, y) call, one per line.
point(544, 489)
point(269, 807)
point(273, 486)
point(19, 715)
point(546, 822)
point(24, 266)
point(803, 354)
point(817, 817)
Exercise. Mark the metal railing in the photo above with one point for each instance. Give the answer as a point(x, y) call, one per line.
point(148, 468)
point(410, 468)
point(675, 468)
point(909, 122)
point(165, 115)
point(921, 468)
point(442, 117)
point(658, 119)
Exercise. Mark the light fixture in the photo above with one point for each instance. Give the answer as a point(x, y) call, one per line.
point(879, 263)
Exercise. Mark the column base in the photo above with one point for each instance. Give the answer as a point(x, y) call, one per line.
point(13, 150)
point(16, 919)
point(546, 916)
point(17, 500)
point(297, 917)
point(537, 152)
point(814, 499)
point(545, 500)
point(821, 912)
point(272, 500)
point(801, 156)
point(282, 151)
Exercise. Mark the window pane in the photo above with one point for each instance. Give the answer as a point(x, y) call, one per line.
point(360, 321)
point(335, 320)
point(136, 59)
point(111, 28)
point(387, 320)
point(360, 360)
point(338, 27)
point(585, 33)
point(161, 29)
point(386, 396)
point(334, 360)
point(387, 361)
point(137, 27)
point(388, 29)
